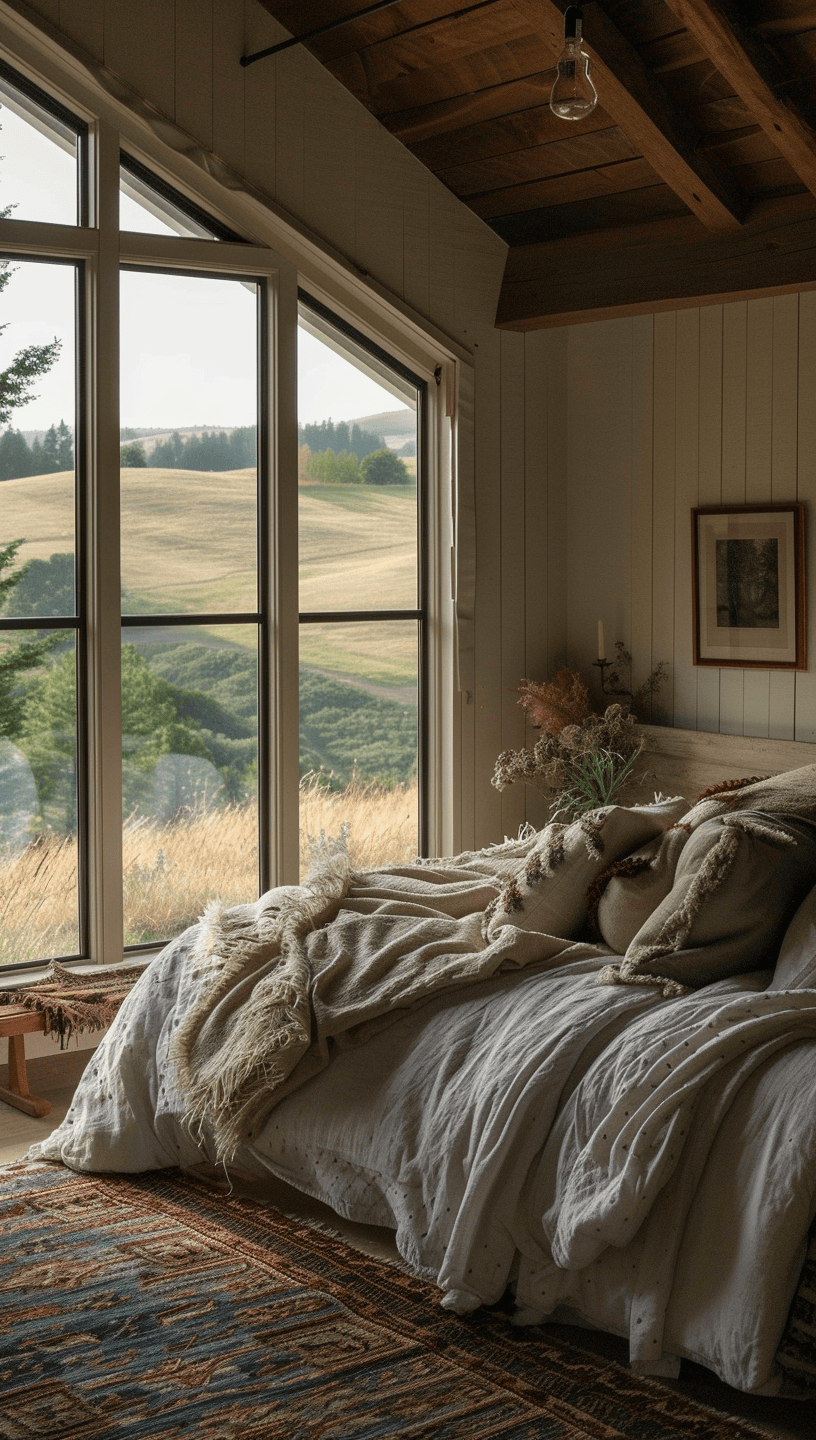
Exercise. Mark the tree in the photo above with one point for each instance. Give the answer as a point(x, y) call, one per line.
point(335, 468)
point(18, 656)
point(132, 456)
point(383, 467)
point(46, 587)
point(325, 435)
point(16, 383)
point(15, 456)
point(151, 728)
point(17, 379)
point(65, 447)
point(49, 453)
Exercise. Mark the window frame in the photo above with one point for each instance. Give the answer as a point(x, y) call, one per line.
point(420, 613)
point(276, 250)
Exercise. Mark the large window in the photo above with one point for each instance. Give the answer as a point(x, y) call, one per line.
point(213, 609)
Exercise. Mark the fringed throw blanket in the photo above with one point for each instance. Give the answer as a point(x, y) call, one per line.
point(73, 1003)
point(279, 986)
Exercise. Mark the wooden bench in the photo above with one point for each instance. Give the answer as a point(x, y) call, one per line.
point(16, 1022)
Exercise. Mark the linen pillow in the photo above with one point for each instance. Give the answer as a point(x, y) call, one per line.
point(791, 793)
point(796, 966)
point(738, 880)
point(633, 887)
point(548, 892)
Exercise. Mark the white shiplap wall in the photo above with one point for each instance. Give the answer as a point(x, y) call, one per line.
point(702, 406)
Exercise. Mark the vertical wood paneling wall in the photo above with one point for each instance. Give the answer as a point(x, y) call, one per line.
point(665, 412)
point(294, 133)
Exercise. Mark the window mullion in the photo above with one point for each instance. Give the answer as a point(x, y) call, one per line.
point(279, 578)
point(103, 589)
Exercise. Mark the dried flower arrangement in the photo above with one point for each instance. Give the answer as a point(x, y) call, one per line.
point(582, 759)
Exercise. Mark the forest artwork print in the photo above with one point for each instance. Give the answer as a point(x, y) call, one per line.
point(748, 564)
point(748, 583)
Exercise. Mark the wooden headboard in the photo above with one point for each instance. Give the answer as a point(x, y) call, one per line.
point(684, 762)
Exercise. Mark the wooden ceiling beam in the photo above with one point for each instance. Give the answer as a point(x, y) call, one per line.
point(666, 265)
point(640, 105)
point(758, 77)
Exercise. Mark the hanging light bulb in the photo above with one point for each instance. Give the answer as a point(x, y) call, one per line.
point(573, 95)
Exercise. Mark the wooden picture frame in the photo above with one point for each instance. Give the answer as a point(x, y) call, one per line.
point(748, 586)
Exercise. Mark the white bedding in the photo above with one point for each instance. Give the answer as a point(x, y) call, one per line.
point(490, 1129)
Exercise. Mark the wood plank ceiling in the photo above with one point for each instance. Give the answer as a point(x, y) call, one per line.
point(694, 179)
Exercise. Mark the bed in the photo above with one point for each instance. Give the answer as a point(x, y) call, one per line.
point(622, 1133)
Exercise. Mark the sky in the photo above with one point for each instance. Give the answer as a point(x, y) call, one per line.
point(188, 343)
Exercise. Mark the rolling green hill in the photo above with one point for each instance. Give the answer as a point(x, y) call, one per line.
point(188, 543)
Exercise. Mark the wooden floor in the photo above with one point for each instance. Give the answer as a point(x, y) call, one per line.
point(56, 1078)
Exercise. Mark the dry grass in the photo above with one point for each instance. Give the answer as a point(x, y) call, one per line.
point(383, 824)
point(38, 901)
point(172, 871)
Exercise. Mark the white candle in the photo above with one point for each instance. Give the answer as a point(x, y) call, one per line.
point(601, 647)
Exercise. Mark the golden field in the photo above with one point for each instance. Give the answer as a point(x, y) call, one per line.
point(171, 872)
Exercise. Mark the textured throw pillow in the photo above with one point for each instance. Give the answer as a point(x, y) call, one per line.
point(791, 793)
point(738, 880)
point(548, 893)
point(796, 965)
point(632, 888)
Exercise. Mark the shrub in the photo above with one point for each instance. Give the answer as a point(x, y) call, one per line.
point(383, 467)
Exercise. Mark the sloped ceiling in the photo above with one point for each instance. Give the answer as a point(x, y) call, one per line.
point(694, 180)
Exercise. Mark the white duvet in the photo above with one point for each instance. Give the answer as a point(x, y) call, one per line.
point(649, 1164)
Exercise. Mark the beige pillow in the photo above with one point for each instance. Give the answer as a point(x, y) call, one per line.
point(738, 880)
point(548, 893)
point(791, 793)
point(636, 886)
point(796, 965)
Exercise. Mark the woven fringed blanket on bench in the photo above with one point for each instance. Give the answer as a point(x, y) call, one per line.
point(72, 1003)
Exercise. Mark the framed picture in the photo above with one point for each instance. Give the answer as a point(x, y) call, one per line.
point(748, 572)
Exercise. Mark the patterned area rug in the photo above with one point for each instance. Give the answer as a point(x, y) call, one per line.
point(153, 1306)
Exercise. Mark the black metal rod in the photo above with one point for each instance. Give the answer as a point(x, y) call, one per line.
point(313, 34)
point(326, 617)
point(148, 622)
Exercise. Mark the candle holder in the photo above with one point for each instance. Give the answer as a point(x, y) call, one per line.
point(613, 688)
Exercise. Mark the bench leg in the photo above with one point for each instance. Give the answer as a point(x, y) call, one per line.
point(18, 1093)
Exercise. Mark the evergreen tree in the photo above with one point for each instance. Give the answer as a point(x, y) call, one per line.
point(65, 447)
point(20, 655)
point(49, 455)
point(37, 467)
point(15, 456)
point(325, 435)
point(28, 365)
point(168, 454)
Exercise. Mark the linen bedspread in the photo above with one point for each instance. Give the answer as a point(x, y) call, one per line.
point(521, 1120)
